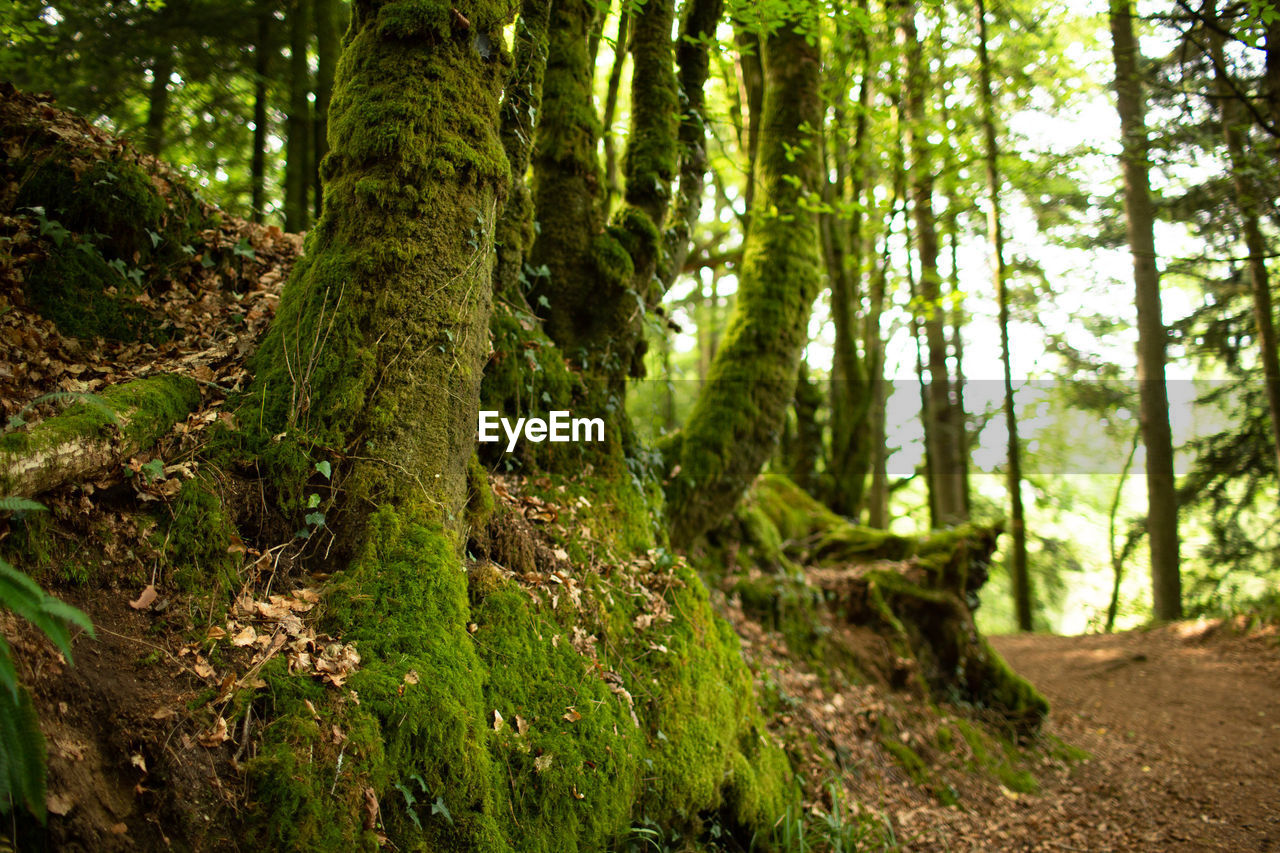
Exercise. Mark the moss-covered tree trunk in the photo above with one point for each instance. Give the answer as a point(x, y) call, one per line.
point(736, 421)
point(374, 360)
point(697, 30)
point(520, 115)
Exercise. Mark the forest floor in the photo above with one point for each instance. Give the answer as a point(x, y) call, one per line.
point(1183, 724)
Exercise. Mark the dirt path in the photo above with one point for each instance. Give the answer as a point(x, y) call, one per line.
point(1184, 726)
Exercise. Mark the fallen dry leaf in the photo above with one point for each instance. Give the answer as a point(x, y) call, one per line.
point(145, 599)
point(59, 804)
point(217, 735)
point(572, 715)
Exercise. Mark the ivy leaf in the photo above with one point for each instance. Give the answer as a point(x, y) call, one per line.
point(153, 470)
point(438, 807)
point(325, 469)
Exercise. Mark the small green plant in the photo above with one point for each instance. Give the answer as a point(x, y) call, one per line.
point(411, 801)
point(314, 519)
point(22, 749)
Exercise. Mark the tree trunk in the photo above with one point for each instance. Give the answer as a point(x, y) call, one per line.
point(261, 77)
point(851, 391)
point(1233, 131)
point(737, 418)
point(946, 479)
point(327, 48)
point(521, 109)
point(1017, 561)
point(89, 437)
point(376, 354)
point(298, 145)
point(750, 69)
point(158, 102)
point(697, 30)
point(1162, 508)
point(613, 181)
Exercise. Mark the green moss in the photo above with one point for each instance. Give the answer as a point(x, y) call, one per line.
point(955, 662)
point(737, 418)
point(193, 534)
point(998, 758)
point(144, 409)
point(479, 495)
point(70, 287)
point(649, 163)
point(395, 273)
point(793, 511)
point(567, 769)
point(114, 199)
point(906, 757)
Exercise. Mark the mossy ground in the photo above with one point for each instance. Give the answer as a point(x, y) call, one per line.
point(599, 723)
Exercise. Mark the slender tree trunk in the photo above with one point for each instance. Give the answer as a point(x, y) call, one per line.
point(298, 144)
point(261, 77)
point(1234, 129)
point(697, 33)
point(1018, 571)
point(878, 493)
point(946, 478)
point(1162, 508)
point(1118, 556)
point(750, 102)
point(520, 112)
point(1272, 88)
point(851, 391)
point(613, 181)
point(736, 420)
point(327, 48)
point(158, 102)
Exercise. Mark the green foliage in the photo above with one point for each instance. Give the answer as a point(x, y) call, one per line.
point(838, 830)
point(22, 750)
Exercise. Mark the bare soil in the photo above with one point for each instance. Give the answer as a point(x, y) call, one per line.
point(1184, 726)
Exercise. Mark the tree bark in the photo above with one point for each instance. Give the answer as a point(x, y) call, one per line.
point(263, 49)
point(1234, 130)
point(298, 145)
point(737, 418)
point(375, 357)
point(158, 102)
point(851, 390)
point(1017, 559)
point(327, 48)
point(946, 479)
point(520, 114)
point(697, 34)
point(1162, 509)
